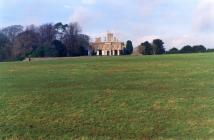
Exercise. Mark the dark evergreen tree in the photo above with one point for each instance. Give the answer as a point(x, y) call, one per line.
point(199, 49)
point(158, 47)
point(129, 48)
point(60, 48)
point(147, 48)
point(186, 49)
point(173, 51)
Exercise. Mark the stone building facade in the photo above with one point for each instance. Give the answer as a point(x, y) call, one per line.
point(110, 46)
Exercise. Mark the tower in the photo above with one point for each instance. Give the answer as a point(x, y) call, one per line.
point(110, 37)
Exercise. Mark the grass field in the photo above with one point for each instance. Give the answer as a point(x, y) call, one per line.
point(136, 97)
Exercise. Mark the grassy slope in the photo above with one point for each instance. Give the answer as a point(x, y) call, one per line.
point(157, 97)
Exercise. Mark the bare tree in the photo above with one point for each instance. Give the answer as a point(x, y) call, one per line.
point(5, 47)
point(25, 43)
point(12, 31)
point(71, 39)
point(77, 44)
point(47, 33)
point(47, 40)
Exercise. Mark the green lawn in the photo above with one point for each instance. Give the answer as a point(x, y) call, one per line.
point(132, 97)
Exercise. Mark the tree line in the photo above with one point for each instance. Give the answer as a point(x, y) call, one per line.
point(190, 49)
point(47, 40)
point(156, 47)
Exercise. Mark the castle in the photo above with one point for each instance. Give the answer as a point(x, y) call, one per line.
point(111, 46)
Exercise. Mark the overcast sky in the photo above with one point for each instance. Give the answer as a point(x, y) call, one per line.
point(177, 22)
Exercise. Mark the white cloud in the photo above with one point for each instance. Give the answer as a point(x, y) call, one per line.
point(204, 16)
point(81, 15)
point(87, 19)
point(180, 41)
